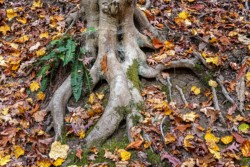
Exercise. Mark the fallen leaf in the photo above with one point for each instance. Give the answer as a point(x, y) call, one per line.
point(58, 162)
point(4, 28)
point(39, 115)
point(183, 15)
point(4, 160)
point(157, 43)
point(135, 145)
point(195, 90)
point(58, 150)
point(124, 155)
point(41, 52)
point(227, 139)
point(244, 127)
point(34, 86)
point(18, 151)
point(212, 83)
point(245, 148)
point(40, 96)
point(91, 98)
point(190, 117)
point(11, 13)
point(104, 67)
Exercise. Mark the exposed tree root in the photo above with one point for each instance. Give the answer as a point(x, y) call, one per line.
point(119, 60)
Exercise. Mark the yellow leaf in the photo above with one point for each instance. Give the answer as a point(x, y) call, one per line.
point(4, 160)
point(212, 83)
point(125, 155)
point(195, 90)
point(213, 40)
point(168, 45)
point(14, 45)
point(227, 139)
point(22, 39)
point(5, 111)
point(34, 86)
point(232, 33)
point(41, 52)
point(183, 15)
point(58, 150)
point(91, 98)
point(2, 62)
point(4, 28)
point(209, 137)
point(81, 134)
point(36, 4)
point(215, 153)
point(44, 35)
point(22, 20)
point(40, 96)
point(11, 13)
point(18, 151)
point(100, 96)
point(214, 60)
point(58, 162)
point(248, 76)
point(190, 117)
point(147, 144)
point(43, 163)
point(191, 0)
point(187, 143)
point(169, 138)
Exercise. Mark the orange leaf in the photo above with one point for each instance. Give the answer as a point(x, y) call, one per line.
point(157, 43)
point(104, 67)
point(245, 148)
point(136, 145)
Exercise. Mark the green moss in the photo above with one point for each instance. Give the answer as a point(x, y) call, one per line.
point(140, 106)
point(245, 161)
point(133, 74)
point(135, 119)
point(123, 110)
point(153, 158)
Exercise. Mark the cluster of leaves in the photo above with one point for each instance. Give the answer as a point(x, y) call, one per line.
point(64, 51)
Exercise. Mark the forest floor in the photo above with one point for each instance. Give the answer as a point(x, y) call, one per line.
point(183, 126)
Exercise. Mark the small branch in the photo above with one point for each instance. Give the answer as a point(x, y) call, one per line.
point(216, 105)
point(246, 5)
point(169, 88)
point(182, 95)
point(161, 127)
point(224, 91)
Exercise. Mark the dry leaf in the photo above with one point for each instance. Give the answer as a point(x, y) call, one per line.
point(58, 150)
point(195, 90)
point(34, 86)
point(125, 155)
point(18, 151)
point(227, 139)
point(104, 67)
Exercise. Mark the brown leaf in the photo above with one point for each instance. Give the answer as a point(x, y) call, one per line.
point(238, 137)
point(79, 153)
point(104, 67)
point(39, 115)
point(183, 128)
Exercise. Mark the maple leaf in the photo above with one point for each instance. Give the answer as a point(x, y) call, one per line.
point(157, 43)
point(4, 28)
point(227, 139)
point(58, 150)
point(34, 86)
point(195, 90)
point(135, 145)
point(183, 15)
point(4, 160)
point(104, 67)
point(212, 83)
point(11, 13)
point(58, 162)
point(245, 148)
point(175, 161)
point(18, 151)
point(125, 155)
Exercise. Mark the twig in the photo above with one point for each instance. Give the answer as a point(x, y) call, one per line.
point(216, 105)
point(72, 23)
point(161, 127)
point(224, 91)
point(246, 4)
point(169, 88)
point(182, 95)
